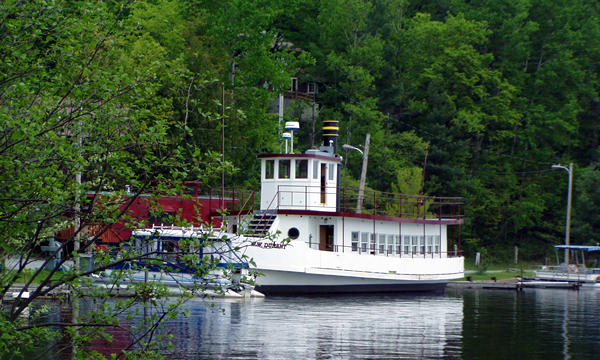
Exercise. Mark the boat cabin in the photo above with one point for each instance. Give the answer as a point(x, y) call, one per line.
point(299, 181)
point(301, 198)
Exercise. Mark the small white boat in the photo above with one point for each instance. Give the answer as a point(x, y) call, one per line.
point(573, 273)
point(166, 249)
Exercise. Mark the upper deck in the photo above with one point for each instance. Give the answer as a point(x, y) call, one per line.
point(307, 184)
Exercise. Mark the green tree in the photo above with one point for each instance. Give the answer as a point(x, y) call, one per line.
point(80, 98)
point(544, 49)
point(253, 63)
point(585, 219)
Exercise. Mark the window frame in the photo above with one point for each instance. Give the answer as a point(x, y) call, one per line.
point(282, 166)
point(298, 164)
point(272, 167)
point(355, 240)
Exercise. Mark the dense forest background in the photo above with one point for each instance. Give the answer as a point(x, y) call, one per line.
point(491, 92)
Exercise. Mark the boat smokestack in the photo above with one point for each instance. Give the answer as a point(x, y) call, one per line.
point(331, 130)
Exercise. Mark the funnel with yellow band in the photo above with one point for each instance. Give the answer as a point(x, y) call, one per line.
point(331, 130)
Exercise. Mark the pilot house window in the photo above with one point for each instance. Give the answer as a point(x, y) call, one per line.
point(301, 169)
point(284, 169)
point(269, 169)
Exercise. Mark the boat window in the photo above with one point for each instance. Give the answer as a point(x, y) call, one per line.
point(190, 190)
point(422, 243)
point(355, 240)
point(169, 250)
point(437, 244)
point(373, 242)
point(415, 244)
point(364, 241)
point(331, 171)
point(430, 244)
point(301, 168)
point(269, 169)
point(293, 233)
point(315, 169)
point(381, 244)
point(284, 169)
point(406, 244)
point(390, 244)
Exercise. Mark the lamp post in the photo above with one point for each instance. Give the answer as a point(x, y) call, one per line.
point(569, 170)
point(363, 173)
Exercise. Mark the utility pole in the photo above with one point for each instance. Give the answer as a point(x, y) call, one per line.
point(363, 174)
point(569, 170)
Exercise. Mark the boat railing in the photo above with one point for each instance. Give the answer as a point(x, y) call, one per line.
point(185, 229)
point(572, 269)
point(300, 197)
point(232, 201)
point(402, 205)
point(388, 251)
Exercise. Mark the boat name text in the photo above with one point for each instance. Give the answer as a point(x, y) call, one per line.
point(268, 245)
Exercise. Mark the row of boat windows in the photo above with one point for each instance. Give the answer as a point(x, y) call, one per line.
point(392, 244)
point(300, 168)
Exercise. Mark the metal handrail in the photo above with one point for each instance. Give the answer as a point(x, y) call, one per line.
point(262, 218)
point(387, 253)
point(251, 196)
point(382, 203)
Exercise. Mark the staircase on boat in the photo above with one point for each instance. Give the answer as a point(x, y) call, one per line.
point(261, 222)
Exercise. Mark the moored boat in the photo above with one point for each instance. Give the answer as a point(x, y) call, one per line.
point(197, 259)
point(573, 273)
point(312, 236)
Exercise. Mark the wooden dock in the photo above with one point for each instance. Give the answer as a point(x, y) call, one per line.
point(513, 284)
point(510, 284)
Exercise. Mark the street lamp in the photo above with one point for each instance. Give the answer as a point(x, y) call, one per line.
point(363, 173)
point(350, 147)
point(569, 170)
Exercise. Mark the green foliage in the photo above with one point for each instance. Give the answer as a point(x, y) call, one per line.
point(586, 220)
point(86, 106)
point(133, 93)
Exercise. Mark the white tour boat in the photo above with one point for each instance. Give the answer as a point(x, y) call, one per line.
point(317, 241)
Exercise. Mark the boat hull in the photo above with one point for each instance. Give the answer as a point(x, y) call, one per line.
point(289, 283)
point(299, 269)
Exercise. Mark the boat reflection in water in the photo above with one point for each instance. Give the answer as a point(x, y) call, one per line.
point(463, 324)
point(321, 328)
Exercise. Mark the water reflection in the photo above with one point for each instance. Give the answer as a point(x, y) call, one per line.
point(322, 328)
point(466, 324)
point(538, 323)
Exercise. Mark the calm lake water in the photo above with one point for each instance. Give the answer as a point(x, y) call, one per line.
point(462, 324)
